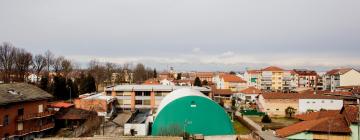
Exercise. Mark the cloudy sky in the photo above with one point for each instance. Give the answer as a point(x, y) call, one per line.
point(189, 34)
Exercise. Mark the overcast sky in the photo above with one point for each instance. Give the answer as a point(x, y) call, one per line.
point(189, 34)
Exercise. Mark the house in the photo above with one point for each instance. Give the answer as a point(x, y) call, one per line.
point(223, 97)
point(249, 94)
point(275, 104)
point(167, 82)
point(203, 76)
point(340, 77)
point(229, 81)
point(131, 97)
point(152, 81)
point(24, 113)
point(329, 124)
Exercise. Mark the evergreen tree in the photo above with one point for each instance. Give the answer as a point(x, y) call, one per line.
point(205, 83)
point(59, 88)
point(155, 73)
point(44, 83)
point(197, 82)
point(90, 83)
point(178, 76)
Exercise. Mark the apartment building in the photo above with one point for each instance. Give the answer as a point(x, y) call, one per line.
point(306, 78)
point(276, 79)
point(23, 111)
point(131, 97)
point(252, 78)
point(340, 77)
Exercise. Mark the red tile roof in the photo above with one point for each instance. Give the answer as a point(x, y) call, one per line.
point(351, 113)
point(251, 90)
point(61, 105)
point(317, 115)
point(232, 78)
point(151, 82)
point(305, 72)
point(323, 125)
point(273, 95)
point(222, 91)
point(338, 71)
point(272, 68)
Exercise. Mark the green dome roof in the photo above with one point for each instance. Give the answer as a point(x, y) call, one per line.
point(190, 111)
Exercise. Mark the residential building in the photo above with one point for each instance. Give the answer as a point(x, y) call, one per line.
point(203, 76)
point(223, 97)
point(306, 78)
point(275, 104)
point(249, 94)
point(131, 97)
point(252, 78)
point(229, 81)
point(24, 113)
point(330, 124)
point(341, 77)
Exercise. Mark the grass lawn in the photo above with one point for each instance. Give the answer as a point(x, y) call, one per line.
point(240, 129)
point(277, 123)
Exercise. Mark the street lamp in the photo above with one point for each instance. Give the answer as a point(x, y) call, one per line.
point(70, 93)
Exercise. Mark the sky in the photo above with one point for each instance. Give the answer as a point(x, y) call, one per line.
point(203, 35)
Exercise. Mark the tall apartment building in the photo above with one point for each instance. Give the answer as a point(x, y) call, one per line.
point(131, 97)
point(252, 78)
point(23, 111)
point(275, 79)
point(340, 77)
point(306, 78)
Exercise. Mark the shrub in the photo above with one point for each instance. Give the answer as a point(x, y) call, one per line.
point(266, 119)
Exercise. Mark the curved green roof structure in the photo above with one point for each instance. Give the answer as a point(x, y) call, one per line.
point(187, 110)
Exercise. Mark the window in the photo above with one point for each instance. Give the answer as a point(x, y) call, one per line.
point(121, 102)
point(146, 102)
point(119, 93)
point(20, 111)
point(41, 108)
point(20, 126)
point(108, 93)
point(158, 94)
point(277, 109)
point(6, 120)
point(147, 93)
point(138, 93)
point(138, 102)
point(322, 101)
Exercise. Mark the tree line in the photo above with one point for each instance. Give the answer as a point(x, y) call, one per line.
point(61, 76)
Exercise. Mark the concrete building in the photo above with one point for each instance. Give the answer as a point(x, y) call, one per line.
point(275, 104)
point(23, 112)
point(195, 114)
point(138, 124)
point(340, 77)
point(131, 97)
point(252, 78)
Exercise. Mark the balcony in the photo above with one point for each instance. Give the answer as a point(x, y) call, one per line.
point(35, 129)
point(35, 116)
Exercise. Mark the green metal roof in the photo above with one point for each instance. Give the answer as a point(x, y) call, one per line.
point(194, 115)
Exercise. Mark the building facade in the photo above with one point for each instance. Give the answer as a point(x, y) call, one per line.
point(24, 113)
point(340, 77)
point(131, 97)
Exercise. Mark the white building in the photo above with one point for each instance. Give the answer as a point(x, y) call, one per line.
point(318, 104)
point(340, 77)
point(166, 82)
point(248, 94)
point(138, 124)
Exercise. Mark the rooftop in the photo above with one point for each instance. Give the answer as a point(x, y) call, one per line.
point(273, 95)
point(232, 78)
point(20, 92)
point(154, 88)
point(251, 90)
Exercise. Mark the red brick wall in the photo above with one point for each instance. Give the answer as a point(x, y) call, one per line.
point(12, 111)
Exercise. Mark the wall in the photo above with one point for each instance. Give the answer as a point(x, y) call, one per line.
point(12, 111)
point(354, 129)
point(317, 104)
point(350, 78)
point(331, 137)
point(301, 136)
point(276, 107)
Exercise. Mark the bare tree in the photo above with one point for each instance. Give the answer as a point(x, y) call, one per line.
point(49, 56)
point(67, 67)
point(39, 63)
point(57, 64)
point(139, 73)
point(23, 61)
point(97, 71)
point(7, 58)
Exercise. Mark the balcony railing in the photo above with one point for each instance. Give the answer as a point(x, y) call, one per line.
point(35, 129)
point(35, 115)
